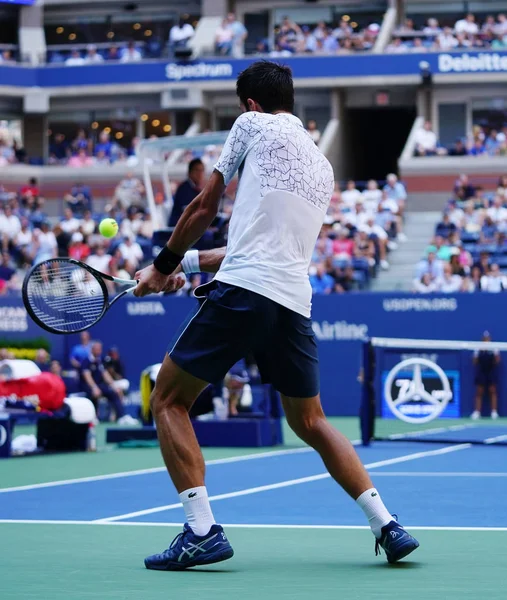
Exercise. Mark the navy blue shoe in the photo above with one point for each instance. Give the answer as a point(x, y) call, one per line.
point(396, 542)
point(190, 550)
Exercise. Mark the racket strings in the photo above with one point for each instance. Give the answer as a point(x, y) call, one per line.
point(65, 296)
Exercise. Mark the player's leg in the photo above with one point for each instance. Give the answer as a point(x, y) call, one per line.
point(293, 368)
point(479, 393)
point(173, 396)
point(211, 342)
point(493, 398)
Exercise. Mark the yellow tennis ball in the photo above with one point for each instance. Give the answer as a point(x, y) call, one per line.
point(108, 228)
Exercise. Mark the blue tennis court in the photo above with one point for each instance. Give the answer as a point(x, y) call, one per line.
point(452, 492)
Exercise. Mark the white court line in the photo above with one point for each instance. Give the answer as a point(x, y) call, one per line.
point(216, 461)
point(237, 525)
point(288, 483)
point(495, 440)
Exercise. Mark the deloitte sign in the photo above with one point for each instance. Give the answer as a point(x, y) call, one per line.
point(472, 63)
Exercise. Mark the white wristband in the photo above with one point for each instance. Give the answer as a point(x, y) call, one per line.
point(190, 262)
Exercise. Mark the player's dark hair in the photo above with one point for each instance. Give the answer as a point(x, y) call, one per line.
point(196, 162)
point(269, 84)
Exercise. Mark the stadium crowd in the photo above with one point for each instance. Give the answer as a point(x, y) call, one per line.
point(485, 141)
point(360, 229)
point(464, 34)
point(343, 37)
point(469, 250)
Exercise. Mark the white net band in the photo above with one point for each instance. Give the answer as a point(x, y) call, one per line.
point(380, 342)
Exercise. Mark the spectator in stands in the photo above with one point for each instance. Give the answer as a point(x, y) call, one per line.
point(477, 149)
point(98, 383)
point(23, 242)
point(497, 213)
point(129, 192)
point(99, 259)
point(446, 40)
point(492, 144)
point(502, 188)
point(44, 243)
point(494, 281)
point(458, 149)
point(364, 246)
point(130, 54)
point(313, 130)
point(344, 280)
point(448, 283)
point(486, 378)
point(115, 368)
point(467, 25)
point(380, 239)
point(396, 191)
point(321, 282)
point(351, 195)
point(445, 227)
point(92, 56)
point(180, 34)
point(10, 226)
point(81, 142)
point(431, 265)
point(432, 28)
point(59, 150)
point(187, 190)
point(42, 359)
point(132, 254)
point(239, 35)
point(81, 159)
point(425, 140)
point(113, 53)
point(463, 189)
point(223, 39)
point(69, 223)
point(80, 351)
point(78, 249)
point(6, 58)
point(75, 59)
point(396, 47)
point(79, 199)
point(424, 285)
point(289, 35)
point(104, 144)
point(343, 246)
point(235, 381)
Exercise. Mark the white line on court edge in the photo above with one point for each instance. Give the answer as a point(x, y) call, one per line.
point(288, 483)
point(237, 525)
point(216, 461)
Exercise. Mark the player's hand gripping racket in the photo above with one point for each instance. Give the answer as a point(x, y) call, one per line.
point(63, 295)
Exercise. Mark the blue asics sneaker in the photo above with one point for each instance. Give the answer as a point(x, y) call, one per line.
point(396, 542)
point(190, 550)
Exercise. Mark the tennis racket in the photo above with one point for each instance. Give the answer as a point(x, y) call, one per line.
point(63, 295)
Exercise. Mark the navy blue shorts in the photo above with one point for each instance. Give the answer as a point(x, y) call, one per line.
point(232, 322)
point(486, 378)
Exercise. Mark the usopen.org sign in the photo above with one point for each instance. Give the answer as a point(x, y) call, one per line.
point(200, 70)
point(481, 62)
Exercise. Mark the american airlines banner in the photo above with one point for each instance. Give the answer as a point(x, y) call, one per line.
point(303, 67)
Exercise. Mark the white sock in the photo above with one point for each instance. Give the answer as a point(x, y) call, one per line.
point(375, 511)
point(197, 510)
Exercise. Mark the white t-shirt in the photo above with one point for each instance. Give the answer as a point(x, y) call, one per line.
point(351, 197)
point(284, 191)
point(497, 213)
point(426, 139)
point(463, 26)
point(449, 285)
point(371, 200)
point(493, 284)
point(132, 253)
point(10, 226)
point(70, 225)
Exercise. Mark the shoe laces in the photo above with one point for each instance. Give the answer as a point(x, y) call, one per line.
point(377, 540)
point(177, 539)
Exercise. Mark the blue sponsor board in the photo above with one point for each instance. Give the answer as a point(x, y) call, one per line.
point(304, 67)
point(143, 329)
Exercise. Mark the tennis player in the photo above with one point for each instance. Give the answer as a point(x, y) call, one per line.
point(261, 289)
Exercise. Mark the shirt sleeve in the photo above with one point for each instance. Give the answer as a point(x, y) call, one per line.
point(237, 144)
